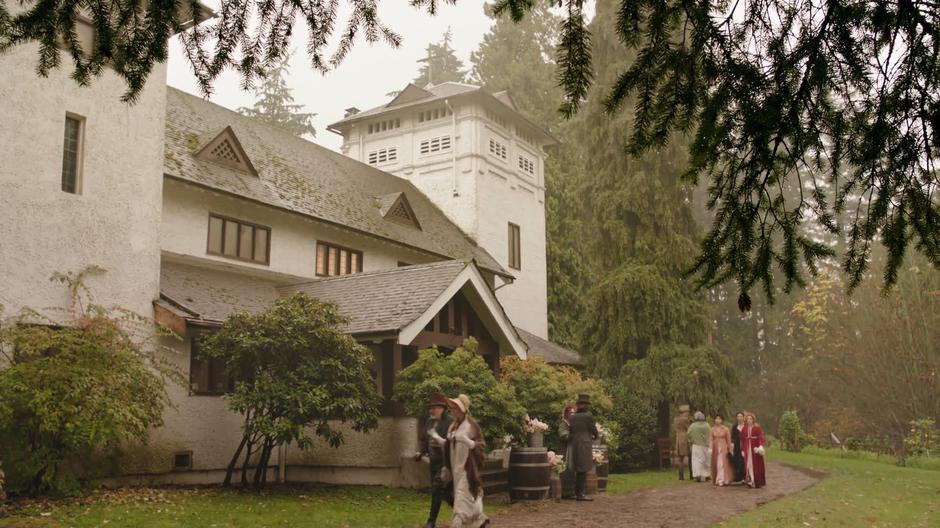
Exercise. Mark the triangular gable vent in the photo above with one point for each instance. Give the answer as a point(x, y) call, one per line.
point(400, 211)
point(226, 150)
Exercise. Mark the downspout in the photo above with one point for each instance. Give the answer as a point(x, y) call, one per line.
point(453, 145)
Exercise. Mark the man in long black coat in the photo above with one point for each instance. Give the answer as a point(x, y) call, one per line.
point(433, 446)
point(583, 433)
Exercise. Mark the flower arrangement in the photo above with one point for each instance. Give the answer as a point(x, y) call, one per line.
point(598, 456)
point(557, 462)
point(534, 425)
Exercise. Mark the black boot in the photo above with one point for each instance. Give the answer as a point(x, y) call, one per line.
point(681, 474)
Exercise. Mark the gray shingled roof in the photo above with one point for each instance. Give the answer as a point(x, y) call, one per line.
point(305, 178)
point(383, 301)
point(439, 93)
point(550, 352)
point(213, 295)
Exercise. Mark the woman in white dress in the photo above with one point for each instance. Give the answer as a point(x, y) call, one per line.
point(464, 459)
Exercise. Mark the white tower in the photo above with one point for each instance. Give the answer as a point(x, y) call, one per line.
point(482, 163)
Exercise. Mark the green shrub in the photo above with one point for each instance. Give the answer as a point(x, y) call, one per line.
point(635, 417)
point(543, 390)
point(790, 432)
point(74, 389)
point(922, 439)
point(492, 404)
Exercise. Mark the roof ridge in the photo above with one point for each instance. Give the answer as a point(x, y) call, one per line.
point(388, 271)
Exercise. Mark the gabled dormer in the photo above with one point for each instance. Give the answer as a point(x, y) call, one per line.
point(395, 207)
point(226, 150)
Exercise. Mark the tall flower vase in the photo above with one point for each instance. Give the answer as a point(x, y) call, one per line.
point(535, 439)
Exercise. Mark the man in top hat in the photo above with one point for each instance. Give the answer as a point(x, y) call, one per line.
point(583, 432)
point(681, 446)
point(435, 438)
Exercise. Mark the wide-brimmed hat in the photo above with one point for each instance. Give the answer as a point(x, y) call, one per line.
point(461, 402)
point(437, 400)
point(584, 399)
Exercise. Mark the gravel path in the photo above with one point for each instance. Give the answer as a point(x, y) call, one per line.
point(686, 505)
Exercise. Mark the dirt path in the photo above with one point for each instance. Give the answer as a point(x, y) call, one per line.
point(687, 505)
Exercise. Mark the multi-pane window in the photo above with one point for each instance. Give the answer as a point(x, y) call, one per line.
point(498, 149)
point(382, 126)
point(431, 145)
point(336, 260)
point(434, 113)
point(72, 154)
point(207, 375)
point(383, 155)
point(515, 247)
point(239, 240)
point(527, 165)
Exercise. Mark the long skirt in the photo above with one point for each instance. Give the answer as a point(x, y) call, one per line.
point(754, 470)
point(722, 474)
point(468, 510)
point(700, 462)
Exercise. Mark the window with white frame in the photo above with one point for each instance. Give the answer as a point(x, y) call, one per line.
point(384, 155)
point(498, 149)
point(526, 165)
point(383, 126)
point(432, 145)
point(434, 113)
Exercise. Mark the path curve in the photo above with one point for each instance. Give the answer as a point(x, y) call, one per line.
point(686, 505)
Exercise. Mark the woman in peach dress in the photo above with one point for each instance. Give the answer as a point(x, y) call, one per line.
point(719, 443)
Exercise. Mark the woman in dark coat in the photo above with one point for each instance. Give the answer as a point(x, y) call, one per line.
point(737, 456)
point(582, 433)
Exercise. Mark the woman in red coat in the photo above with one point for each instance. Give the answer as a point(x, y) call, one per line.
point(752, 445)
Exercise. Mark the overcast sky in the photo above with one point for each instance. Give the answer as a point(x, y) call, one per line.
point(367, 74)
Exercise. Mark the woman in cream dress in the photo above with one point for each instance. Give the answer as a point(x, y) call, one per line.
point(465, 460)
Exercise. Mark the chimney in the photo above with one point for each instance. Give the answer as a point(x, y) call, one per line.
point(351, 111)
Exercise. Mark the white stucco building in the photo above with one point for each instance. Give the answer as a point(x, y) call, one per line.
point(482, 162)
point(196, 212)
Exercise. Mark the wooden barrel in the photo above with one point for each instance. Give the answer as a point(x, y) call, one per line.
point(590, 484)
point(495, 478)
point(529, 474)
point(602, 472)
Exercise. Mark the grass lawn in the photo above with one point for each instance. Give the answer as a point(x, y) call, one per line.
point(353, 506)
point(858, 492)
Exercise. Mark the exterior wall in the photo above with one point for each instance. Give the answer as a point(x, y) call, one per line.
point(185, 230)
point(491, 192)
point(114, 222)
point(206, 427)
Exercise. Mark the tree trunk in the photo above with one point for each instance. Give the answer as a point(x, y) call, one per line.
point(231, 465)
point(245, 464)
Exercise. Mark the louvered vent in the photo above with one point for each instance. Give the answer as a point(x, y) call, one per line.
point(400, 212)
point(224, 150)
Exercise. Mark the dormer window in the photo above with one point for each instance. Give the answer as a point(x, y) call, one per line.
point(227, 151)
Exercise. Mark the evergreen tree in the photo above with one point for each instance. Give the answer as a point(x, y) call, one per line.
point(275, 104)
point(441, 64)
point(520, 58)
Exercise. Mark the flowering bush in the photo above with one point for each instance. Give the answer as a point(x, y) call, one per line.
point(534, 425)
point(599, 458)
point(557, 462)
